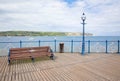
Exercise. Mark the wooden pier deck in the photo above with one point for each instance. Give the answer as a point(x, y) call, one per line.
point(65, 67)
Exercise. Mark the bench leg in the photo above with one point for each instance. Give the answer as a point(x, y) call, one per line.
point(52, 57)
point(33, 59)
point(9, 58)
point(8, 61)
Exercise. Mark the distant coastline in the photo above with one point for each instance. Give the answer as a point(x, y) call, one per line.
point(31, 33)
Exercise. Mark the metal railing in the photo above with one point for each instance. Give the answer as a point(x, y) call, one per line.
point(69, 46)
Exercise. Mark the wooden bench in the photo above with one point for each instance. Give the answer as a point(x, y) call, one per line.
point(29, 53)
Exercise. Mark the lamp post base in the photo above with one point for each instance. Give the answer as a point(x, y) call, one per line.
point(83, 49)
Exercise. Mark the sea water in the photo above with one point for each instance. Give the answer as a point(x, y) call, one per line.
point(64, 38)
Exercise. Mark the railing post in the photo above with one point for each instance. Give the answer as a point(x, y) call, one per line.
point(89, 46)
point(118, 46)
point(106, 46)
point(39, 43)
point(71, 46)
point(55, 45)
point(20, 44)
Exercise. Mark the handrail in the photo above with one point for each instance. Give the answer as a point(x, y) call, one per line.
point(70, 45)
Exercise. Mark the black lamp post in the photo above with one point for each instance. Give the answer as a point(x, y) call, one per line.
point(83, 39)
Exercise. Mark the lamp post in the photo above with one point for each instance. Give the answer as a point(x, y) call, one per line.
point(83, 38)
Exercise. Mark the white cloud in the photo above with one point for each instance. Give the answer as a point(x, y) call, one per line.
point(57, 15)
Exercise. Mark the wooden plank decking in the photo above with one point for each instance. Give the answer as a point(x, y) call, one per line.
point(65, 67)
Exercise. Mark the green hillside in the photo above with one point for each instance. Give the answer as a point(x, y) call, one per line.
point(31, 33)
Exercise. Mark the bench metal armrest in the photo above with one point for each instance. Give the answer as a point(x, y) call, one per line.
point(9, 57)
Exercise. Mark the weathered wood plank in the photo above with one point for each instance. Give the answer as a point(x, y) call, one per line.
point(65, 67)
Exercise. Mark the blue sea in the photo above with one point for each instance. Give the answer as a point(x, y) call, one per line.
point(97, 43)
point(48, 38)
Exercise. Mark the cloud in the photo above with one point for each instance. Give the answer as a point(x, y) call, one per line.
point(60, 15)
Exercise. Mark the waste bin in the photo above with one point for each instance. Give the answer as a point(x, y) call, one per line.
point(61, 47)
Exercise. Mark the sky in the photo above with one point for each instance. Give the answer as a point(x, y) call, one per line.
point(102, 16)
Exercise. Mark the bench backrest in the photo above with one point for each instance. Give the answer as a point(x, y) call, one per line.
point(29, 50)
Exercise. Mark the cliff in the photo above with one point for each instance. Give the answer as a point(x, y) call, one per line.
point(77, 34)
